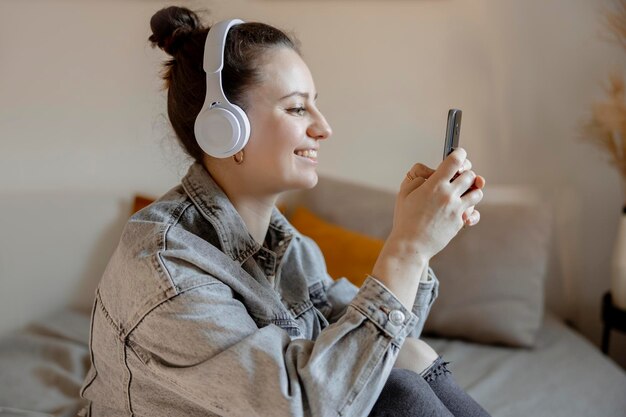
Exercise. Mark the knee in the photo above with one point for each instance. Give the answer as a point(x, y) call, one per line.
point(408, 394)
point(404, 384)
point(415, 355)
point(427, 351)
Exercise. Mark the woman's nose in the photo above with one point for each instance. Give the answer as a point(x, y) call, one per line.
point(320, 129)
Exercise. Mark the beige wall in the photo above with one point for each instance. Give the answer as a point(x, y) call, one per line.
point(82, 110)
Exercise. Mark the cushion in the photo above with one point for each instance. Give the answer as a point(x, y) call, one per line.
point(348, 254)
point(491, 275)
point(140, 201)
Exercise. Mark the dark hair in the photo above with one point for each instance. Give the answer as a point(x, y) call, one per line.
point(179, 32)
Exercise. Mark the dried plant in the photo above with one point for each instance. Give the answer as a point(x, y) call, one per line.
point(607, 126)
point(616, 23)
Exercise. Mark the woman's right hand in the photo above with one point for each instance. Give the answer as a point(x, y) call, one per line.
point(432, 208)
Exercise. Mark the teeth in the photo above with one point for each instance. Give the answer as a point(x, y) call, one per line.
point(309, 153)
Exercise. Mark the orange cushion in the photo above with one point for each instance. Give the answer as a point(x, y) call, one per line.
point(141, 201)
point(348, 254)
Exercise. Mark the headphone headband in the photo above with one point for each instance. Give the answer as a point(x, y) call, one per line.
point(215, 44)
point(214, 61)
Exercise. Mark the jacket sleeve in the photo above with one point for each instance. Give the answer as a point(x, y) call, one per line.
point(203, 345)
point(340, 292)
point(427, 293)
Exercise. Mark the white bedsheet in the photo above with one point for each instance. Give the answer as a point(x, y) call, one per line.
point(42, 368)
point(563, 376)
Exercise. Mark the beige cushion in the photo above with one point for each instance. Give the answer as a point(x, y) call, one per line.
point(492, 277)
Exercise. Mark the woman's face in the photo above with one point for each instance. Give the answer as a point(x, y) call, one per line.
point(284, 120)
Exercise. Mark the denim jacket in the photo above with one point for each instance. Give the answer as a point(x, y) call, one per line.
point(192, 317)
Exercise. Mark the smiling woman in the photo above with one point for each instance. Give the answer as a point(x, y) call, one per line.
point(214, 304)
point(286, 129)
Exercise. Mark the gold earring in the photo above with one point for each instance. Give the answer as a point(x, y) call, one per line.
point(239, 160)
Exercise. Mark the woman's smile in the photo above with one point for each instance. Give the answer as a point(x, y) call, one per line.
point(309, 155)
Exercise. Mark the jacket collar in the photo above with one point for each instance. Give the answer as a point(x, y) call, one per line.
point(215, 206)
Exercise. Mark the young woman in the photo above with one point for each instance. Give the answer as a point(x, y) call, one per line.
point(214, 305)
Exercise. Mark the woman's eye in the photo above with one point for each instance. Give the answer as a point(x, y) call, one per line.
point(298, 110)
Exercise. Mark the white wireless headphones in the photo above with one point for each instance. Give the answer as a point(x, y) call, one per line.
point(222, 129)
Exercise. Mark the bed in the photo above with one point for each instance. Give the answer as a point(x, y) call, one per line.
point(506, 345)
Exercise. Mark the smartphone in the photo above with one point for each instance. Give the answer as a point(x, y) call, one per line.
point(453, 129)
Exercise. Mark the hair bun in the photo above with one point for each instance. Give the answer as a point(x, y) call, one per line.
point(170, 26)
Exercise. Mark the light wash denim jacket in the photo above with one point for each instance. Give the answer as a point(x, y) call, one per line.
point(193, 317)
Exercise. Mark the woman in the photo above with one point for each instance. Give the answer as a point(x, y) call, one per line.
point(213, 304)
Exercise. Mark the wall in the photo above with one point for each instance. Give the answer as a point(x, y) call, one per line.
point(82, 111)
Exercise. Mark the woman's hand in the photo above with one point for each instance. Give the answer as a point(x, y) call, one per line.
point(471, 217)
point(431, 207)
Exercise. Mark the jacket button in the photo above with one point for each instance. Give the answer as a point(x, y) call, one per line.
point(396, 317)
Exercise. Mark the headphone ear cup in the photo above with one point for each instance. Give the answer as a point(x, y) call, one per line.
point(244, 123)
point(222, 131)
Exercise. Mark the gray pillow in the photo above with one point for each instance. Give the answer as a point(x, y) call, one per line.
point(492, 277)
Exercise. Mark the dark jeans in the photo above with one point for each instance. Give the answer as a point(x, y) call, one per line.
point(435, 393)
